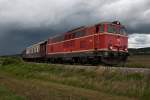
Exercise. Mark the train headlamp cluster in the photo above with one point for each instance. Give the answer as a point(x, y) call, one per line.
point(116, 22)
point(110, 47)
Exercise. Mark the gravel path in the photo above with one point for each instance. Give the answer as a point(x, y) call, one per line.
point(120, 69)
point(128, 70)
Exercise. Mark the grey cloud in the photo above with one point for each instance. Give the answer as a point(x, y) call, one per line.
point(24, 22)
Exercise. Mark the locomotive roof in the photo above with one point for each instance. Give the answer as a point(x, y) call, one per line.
point(82, 27)
point(37, 44)
point(114, 22)
point(77, 28)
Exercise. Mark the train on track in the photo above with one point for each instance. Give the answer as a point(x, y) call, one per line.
point(105, 42)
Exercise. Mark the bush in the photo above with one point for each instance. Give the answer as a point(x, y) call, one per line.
point(10, 60)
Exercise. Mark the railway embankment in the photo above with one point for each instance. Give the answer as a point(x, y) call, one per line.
point(112, 82)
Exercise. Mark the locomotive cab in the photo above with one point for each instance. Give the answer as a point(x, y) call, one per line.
point(118, 40)
point(115, 42)
point(116, 28)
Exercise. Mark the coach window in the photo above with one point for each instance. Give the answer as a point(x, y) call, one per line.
point(60, 38)
point(53, 40)
point(80, 33)
point(66, 37)
point(72, 35)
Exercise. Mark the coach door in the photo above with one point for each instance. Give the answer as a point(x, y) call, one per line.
point(43, 49)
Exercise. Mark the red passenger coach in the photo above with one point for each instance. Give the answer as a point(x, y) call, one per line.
point(105, 42)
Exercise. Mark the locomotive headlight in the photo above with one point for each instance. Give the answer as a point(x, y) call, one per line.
point(125, 49)
point(111, 47)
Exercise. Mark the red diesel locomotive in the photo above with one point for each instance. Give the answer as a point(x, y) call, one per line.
point(105, 42)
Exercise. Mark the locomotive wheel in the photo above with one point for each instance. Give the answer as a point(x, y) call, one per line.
point(95, 61)
point(109, 61)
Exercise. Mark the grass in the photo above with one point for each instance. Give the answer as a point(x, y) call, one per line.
point(109, 82)
point(139, 61)
point(42, 90)
point(6, 94)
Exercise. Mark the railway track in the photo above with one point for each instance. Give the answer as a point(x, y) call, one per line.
point(109, 68)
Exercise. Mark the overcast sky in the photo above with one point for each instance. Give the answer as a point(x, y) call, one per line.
point(24, 22)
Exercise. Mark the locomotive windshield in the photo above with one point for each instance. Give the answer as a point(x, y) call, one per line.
point(123, 31)
point(117, 29)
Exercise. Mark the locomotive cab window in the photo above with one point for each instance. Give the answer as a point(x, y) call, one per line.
point(123, 31)
point(117, 29)
point(100, 28)
point(111, 28)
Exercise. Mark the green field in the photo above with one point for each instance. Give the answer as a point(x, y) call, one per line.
point(6, 94)
point(33, 81)
point(139, 61)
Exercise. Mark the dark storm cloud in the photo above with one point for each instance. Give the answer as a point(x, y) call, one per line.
point(23, 22)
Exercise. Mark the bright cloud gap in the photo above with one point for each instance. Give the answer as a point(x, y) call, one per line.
point(137, 40)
